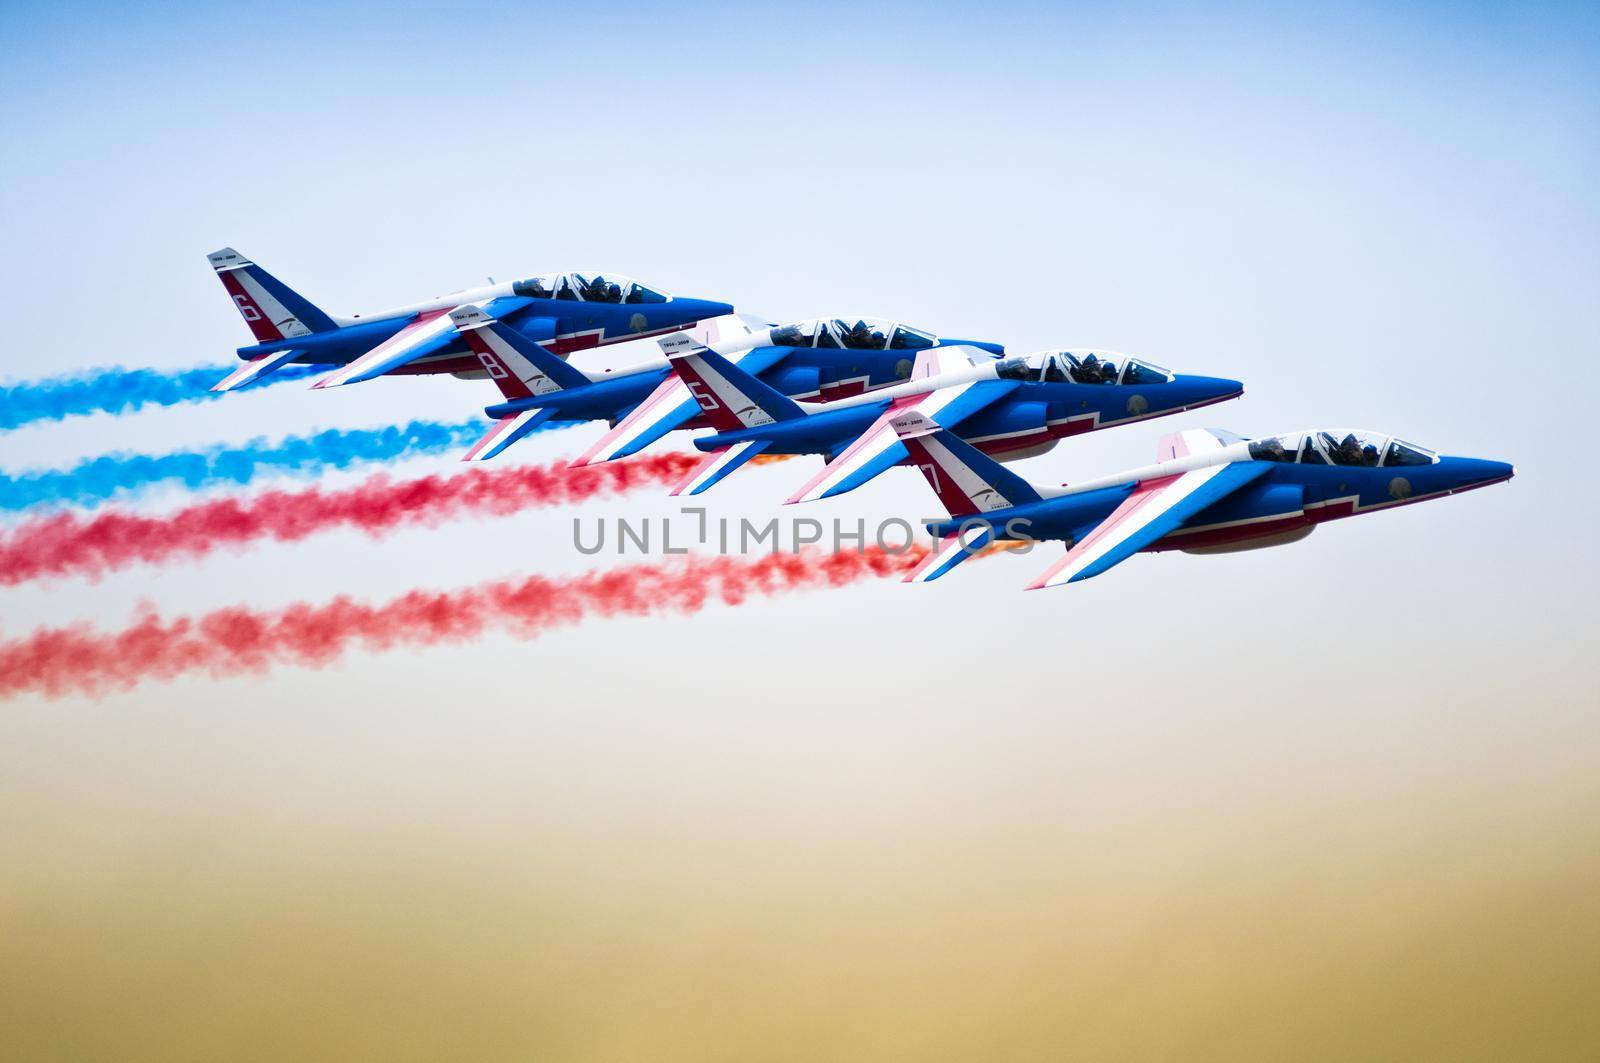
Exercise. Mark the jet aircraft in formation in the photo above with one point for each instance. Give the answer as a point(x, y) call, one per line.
point(1209, 492)
point(1011, 407)
point(863, 394)
point(646, 401)
point(564, 312)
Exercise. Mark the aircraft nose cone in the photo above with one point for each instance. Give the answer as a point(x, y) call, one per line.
point(1474, 472)
point(1206, 389)
point(1226, 388)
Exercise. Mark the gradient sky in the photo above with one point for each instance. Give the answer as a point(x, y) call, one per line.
point(1233, 806)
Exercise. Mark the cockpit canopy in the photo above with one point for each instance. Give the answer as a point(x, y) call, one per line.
point(853, 334)
point(1342, 446)
point(1081, 367)
point(588, 288)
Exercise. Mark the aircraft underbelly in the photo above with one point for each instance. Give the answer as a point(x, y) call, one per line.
point(1262, 513)
point(1254, 542)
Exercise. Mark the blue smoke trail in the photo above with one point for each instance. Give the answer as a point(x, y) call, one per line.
point(95, 480)
point(122, 391)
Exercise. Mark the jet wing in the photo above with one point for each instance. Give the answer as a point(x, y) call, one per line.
point(717, 464)
point(506, 431)
point(430, 332)
point(1155, 509)
point(949, 552)
point(879, 449)
point(668, 407)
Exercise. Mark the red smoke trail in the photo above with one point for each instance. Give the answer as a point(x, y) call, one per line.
point(69, 543)
point(229, 642)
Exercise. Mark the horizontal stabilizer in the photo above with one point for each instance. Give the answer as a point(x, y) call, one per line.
point(506, 431)
point(254, 370)
point(717, 464)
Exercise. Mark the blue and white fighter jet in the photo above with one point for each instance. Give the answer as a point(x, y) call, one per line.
point(1012, 408)
point(644, 402)
point(561, 312)
point(1210, 492)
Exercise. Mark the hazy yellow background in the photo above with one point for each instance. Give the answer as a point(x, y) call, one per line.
point(710, 874)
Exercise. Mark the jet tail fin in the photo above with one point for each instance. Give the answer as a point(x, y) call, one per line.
point(272, 309)
point(730, 397)
point(965, 479)
point(520, 367)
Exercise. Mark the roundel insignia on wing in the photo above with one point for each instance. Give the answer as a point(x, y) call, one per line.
point(1399, 488)
point(1138, 404)
point(638, 323)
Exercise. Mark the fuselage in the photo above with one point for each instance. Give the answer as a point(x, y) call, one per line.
point(561, 325)
point(1023, 416)
point(1282, 505)
point(1293, 499)
point(806, 373)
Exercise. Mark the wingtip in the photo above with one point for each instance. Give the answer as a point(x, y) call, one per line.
point(928, 569)
point(235, 380)
point(1042, 580)
point(332, 380)
point(687, 491)
point(1045, 581)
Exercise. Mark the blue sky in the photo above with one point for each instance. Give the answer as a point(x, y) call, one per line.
point(1374, 218)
